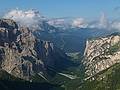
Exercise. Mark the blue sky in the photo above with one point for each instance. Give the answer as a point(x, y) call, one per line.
point(64, 8)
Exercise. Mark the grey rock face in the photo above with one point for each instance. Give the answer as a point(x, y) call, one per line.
point(21, 54)
point(101, 53)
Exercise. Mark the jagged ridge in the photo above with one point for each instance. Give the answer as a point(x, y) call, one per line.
point(23, 55)
point(101, 53)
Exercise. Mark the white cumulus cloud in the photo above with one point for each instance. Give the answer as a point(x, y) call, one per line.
point(79, 22)
point(28, 18)
point(32, 18)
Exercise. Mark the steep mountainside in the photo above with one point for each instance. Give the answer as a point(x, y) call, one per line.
point(101, 53)
point(101, 63)
point(24, 56)
point(108, 79)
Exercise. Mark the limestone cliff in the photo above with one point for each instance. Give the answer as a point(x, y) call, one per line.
point(101, 53)
point(21, 54)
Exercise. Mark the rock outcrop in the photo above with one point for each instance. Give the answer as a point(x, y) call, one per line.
point(101, 53)
point(21, 54)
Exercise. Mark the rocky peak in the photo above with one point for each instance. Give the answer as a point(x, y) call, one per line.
point(8, 31)
point(22, 54)
point(8, 23)
point(101, 53)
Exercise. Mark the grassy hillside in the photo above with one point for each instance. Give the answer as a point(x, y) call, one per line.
point(108, 79)
point(9, 82)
